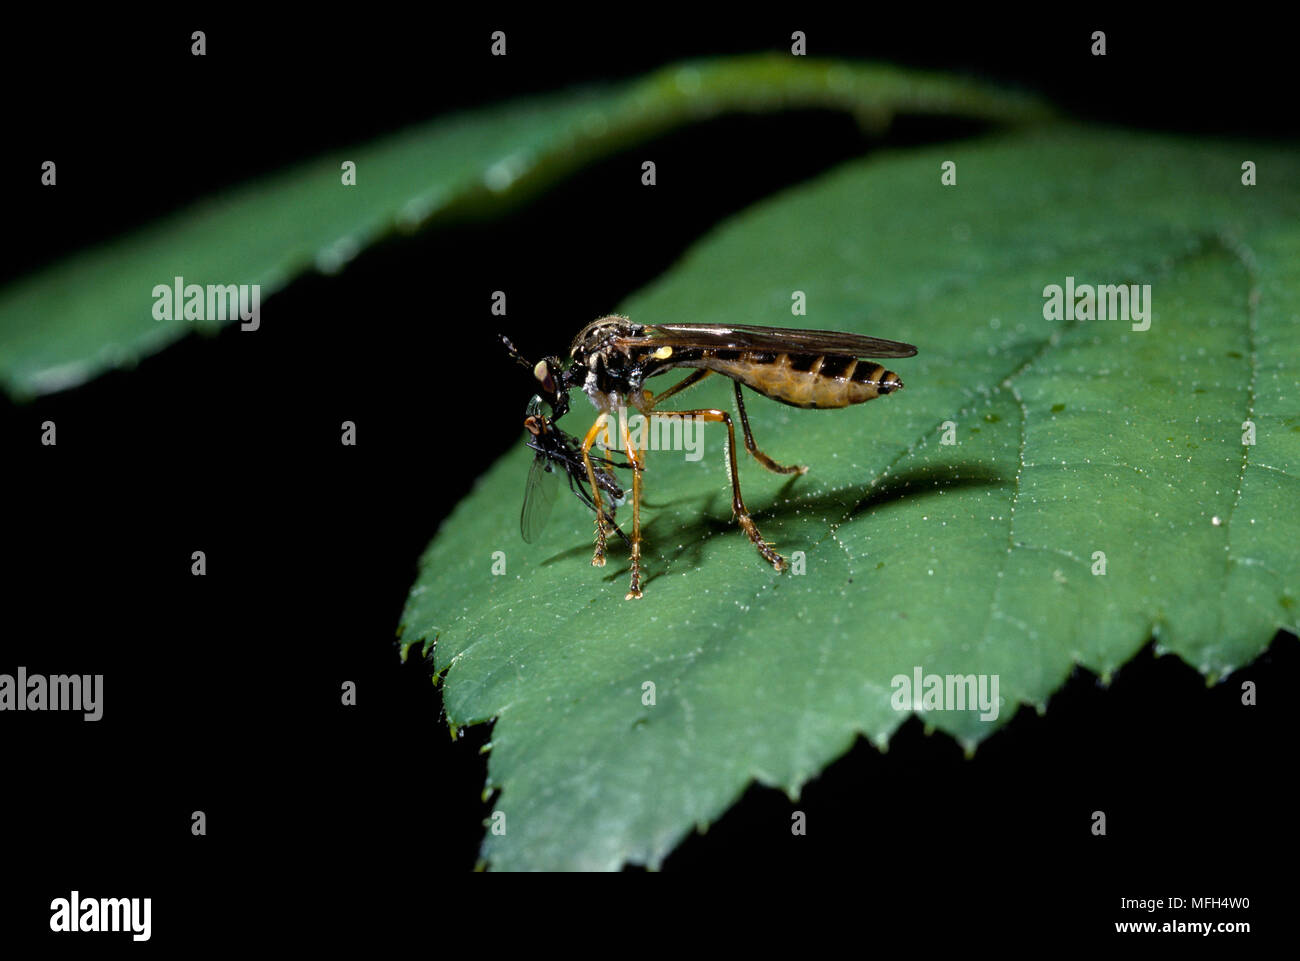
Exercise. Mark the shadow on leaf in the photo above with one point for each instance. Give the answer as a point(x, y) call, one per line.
point(907, 485)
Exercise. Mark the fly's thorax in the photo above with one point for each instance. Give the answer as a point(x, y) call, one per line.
point(604, 366)
point(601, 334)
point(608, 376)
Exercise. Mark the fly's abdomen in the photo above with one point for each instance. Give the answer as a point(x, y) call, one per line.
point(803, 380)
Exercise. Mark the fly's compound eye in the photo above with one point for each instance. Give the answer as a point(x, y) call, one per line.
point(543, 374)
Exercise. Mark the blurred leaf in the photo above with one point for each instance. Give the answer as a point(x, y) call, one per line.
point(94, 311)
point(1073, 438)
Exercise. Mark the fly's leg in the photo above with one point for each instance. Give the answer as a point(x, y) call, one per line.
point(737, 502)
point(750, 446)
point(680, 386)
point(598, 558)
point(637, 460)
point(638, 465)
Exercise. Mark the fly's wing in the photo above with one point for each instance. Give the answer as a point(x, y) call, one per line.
point(779, 340)
point(539, 498)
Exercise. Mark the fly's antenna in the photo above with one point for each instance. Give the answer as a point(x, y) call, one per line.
point(513, 352)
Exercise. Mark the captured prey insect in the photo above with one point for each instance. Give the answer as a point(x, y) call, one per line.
point(558, 452)
point(611, 358)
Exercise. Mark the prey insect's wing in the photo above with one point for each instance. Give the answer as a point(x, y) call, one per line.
point(576, 471)
point(580, 489)
point(539, 498)
point(774, 339)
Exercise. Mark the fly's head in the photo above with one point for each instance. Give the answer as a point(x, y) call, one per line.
point(552, 381)
point(543, 434)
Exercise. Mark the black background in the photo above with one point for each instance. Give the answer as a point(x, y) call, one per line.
point(222, 692)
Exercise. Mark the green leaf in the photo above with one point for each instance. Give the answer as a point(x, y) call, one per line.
point(1073, 438)
point(94, 311)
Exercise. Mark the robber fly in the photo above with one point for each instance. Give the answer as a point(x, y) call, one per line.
point(557, 452)
point(613, 357)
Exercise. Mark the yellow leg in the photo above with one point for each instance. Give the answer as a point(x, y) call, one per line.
point(637, 460)
point(598, 558)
